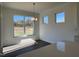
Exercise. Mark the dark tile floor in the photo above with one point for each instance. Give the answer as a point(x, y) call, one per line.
point(38, 45)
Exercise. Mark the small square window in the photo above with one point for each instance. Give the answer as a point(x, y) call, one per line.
point(60, 17)
point(45, 19)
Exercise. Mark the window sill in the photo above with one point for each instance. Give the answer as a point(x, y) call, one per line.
point(23, 36)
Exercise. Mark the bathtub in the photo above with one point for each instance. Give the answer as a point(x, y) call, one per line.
point(22, 44)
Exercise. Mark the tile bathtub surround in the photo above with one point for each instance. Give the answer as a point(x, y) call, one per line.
point(38, 45)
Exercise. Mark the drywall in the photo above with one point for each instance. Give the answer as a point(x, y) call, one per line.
point(78, 15)
point(53, 32)
point(0, 27)
point(77, 28)
point(7, 26)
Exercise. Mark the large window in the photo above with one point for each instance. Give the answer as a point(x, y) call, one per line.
point(60, 17)
point(23, 25)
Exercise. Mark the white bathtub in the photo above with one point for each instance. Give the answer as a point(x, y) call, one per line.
point(22, 44)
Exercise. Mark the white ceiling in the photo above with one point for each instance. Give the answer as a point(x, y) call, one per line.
point(28, 6)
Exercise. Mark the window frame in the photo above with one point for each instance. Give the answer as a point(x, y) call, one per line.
point(64, 18)
point(44, 20)
point(23, 27)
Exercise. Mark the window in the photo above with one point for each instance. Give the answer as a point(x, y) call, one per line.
point(45, 19)
point(23, 25)
point(18, 25)
point(28, 25)
point(60, 17)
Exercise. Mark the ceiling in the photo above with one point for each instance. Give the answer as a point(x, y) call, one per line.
point(28, 6)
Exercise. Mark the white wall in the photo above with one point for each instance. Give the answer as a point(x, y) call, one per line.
point(0, 31)
point(7, 26)
point(53, 32)
point(77, 29)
